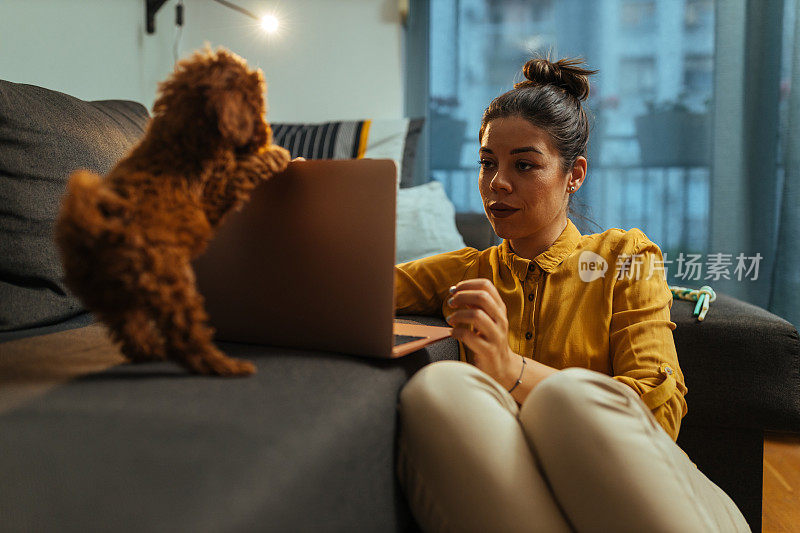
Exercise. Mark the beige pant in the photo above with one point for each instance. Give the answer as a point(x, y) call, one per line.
point(583, 453)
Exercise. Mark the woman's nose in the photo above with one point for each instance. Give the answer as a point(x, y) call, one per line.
point(500, 181)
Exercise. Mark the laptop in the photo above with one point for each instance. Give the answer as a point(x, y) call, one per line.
point(308, 263)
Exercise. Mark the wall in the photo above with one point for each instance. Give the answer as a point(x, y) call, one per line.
point(331, 59)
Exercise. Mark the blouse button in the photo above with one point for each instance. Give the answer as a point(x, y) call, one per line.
point(530, 297)
point(528, 335)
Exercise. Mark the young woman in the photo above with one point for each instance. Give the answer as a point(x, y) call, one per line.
point(563, 412)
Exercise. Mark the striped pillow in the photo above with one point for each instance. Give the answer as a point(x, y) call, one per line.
point(328, 140)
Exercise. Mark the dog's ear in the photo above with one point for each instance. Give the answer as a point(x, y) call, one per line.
point(233, 117)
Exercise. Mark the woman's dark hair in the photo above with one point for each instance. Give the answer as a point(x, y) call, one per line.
point(550, 98)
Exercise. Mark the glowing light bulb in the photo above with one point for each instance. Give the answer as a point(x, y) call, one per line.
point(269, 23)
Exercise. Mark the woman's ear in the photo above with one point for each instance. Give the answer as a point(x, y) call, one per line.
point(578, 173)
point(232, 115)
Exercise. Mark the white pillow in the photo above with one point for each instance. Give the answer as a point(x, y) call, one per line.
point(387, 140)
point(426, 223)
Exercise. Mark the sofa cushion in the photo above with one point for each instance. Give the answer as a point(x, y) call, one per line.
point(44, 136)
point(305, 444)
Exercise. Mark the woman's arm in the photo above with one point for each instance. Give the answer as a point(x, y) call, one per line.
point(534, 372)
point(641, 345)
point(421, 285)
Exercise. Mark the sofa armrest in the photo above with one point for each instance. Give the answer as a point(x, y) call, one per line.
point(741, 364)
point(476, 230)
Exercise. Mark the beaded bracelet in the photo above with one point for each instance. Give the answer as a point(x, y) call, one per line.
point(519, 380)
point(703, 296)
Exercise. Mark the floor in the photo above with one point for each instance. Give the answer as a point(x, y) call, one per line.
point(781, 504)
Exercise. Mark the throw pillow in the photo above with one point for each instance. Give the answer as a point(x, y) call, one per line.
point(328, 140)
point(426, 223)
point(394, 139)
point(44, 136)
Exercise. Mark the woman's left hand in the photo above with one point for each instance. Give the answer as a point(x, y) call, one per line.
point(483, 318)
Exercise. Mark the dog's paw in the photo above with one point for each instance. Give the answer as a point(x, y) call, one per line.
point(222, 366)
point(276, 159)
point(240, 367)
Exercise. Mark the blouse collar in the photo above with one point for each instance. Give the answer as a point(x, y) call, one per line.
point(547, 260)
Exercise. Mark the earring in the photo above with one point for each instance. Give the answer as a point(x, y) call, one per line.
point(572, 188)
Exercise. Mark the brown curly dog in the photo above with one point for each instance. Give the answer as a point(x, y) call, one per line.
point(127, 240)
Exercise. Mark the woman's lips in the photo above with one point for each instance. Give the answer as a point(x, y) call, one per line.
point(502, 210)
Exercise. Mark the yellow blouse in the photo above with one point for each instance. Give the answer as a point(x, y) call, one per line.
point(597, 301)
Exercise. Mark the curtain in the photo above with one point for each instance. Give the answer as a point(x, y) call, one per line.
point(754, 213)
point(417, 50)
point(785, 295)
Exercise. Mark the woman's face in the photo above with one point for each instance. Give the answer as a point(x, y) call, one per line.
point(522, 184)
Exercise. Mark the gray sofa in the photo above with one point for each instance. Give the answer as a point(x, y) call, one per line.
point(308, 443)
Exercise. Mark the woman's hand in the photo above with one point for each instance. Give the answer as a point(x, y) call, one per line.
point(481, 323)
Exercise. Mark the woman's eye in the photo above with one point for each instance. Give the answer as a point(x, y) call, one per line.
point(485, 163)
point(524, 165)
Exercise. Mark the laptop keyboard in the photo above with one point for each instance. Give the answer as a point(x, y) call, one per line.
point(402, 339)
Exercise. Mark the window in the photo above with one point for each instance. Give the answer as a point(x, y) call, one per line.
point(639, 77)
point(698, 71)
point(699, 15)
point(477, 49)
point(638, 15)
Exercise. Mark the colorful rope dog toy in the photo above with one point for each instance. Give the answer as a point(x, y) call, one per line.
point(703, 296)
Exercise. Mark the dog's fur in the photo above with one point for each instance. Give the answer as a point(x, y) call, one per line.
point(127, 240)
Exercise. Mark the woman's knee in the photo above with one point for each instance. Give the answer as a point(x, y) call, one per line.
point(433, 386)
point(570, 385)
point(452, 387)
point(574, 393)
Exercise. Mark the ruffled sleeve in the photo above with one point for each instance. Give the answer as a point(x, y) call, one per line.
point(641, 343)
point(421, 285)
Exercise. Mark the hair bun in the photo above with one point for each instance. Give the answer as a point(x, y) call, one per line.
point(564, 73)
